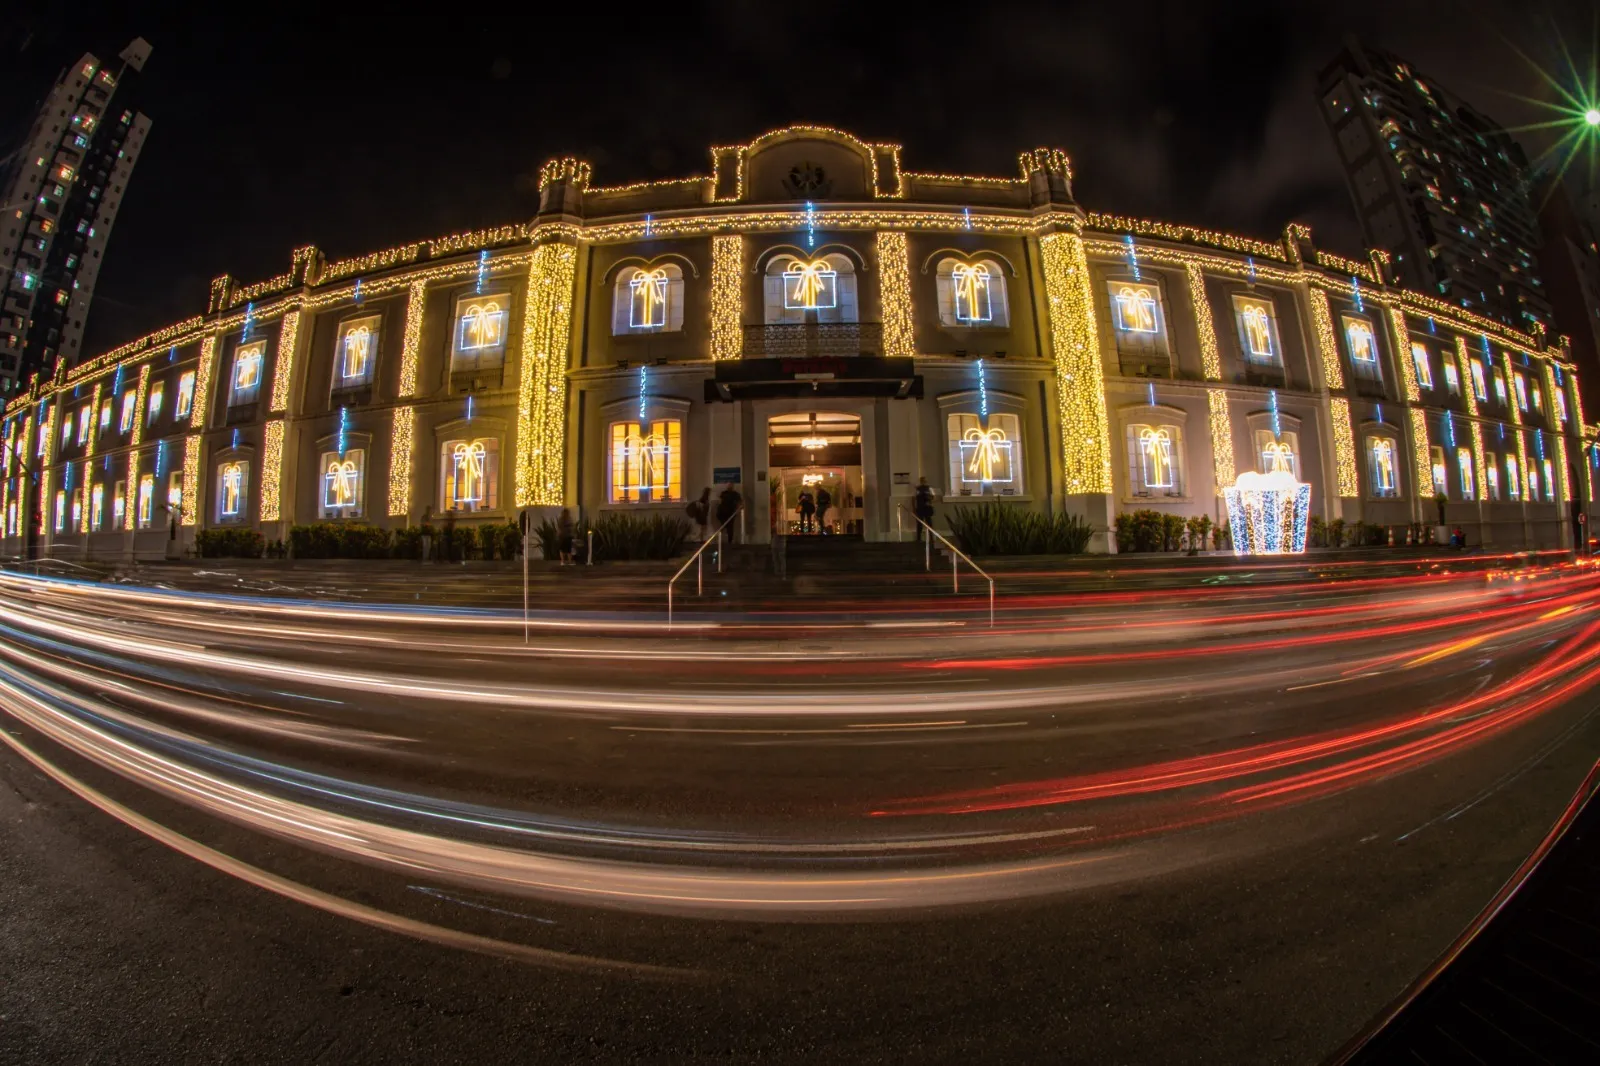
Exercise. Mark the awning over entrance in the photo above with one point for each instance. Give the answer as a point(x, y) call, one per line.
point(819, 376)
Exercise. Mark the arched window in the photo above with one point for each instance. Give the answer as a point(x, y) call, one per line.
point(147, 497)
point(646, 463)
point(469, 472)
point(1383, 466)
point(1362, 345)
point(647, 300)
point(343, 483)
point(1155, 459)
point(1278, 451)
point(358, 351)
point(233, 483)
point(97, 507)
point(817, 290)
point(972, 294)
point(985, 454)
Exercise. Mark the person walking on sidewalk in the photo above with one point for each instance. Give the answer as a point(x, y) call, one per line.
point(922, 506)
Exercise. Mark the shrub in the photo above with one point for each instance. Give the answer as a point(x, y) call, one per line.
point(339, 540)
point(996, 528)
point(627, 536)
point(407, 543)
point(510, 540)
point(1171, 532)
point(1224, 537)
point(1317, 532)
point(1336, 533)
point(545, 534)
point(229, 543)
point(1139, 531)
point(1199, 528)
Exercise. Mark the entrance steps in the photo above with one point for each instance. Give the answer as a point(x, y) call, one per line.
point(842, 554)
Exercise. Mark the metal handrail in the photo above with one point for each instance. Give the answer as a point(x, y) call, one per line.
point(700, 570)
point(955, 553)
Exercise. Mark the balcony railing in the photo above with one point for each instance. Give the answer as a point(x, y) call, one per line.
point(814, 338)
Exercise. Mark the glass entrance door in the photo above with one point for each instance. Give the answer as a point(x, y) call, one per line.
point(815, 482)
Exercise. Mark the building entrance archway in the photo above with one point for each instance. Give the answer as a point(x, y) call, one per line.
point(815, 485)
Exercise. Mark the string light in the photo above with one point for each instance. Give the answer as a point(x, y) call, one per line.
point(573, 171)
point(1516, 414)
point(283, 365)
point(374, 263)
point(1250, 267)
point(130, 512)
point(202, 382)
point(344, 425)
point(1181, 234)
point(1344, 448)
point(1327, 343)
point(643, 393)
point(541, 402)
point(400, 437)
point(1221, 438)
point(272, 467)
point(1210, 360)
point(138, 405)
point(1464, 361)
point(894, 281)
point(249, 318)
point(1133, 258)
point(411, 343)
point(811, 224)
point(966, 217)
point(727, 297)
point(1080, 385)
point(483, 269)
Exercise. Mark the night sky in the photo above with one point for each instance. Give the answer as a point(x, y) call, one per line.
point(356, 134)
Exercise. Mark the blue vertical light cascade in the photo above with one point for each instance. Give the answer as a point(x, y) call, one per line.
point(811, 224)
point(344, 429)
point(1133, 257)
point(642, 380)
point(983, 395)
point(1355, 291)
point(483, 269)
point(1272, 405)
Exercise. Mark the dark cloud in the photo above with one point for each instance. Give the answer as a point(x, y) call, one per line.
point(356, 133)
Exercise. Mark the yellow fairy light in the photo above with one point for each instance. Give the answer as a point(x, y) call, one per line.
point(191, 478)
point(1167, 231)
point(400, 437)
point(894, 282)
point(1516, 417)
point(727, 297)
point(1080, 382)
point(411, 344)
point(1221, 439)
point(43, 525)
point(271, 469)
point(1464, 361)
point(1327, 343)
point(1210, 361)
point(1557, 397)
point(541, 403)
point(130, 510)
point(1344, 448)
point(283, 366)
point(202, 383)
point(84, 495)
point(1421, 447)
point(1043, 159)
point(372, 263)
point(1347, 267)
point(475, 240)
point(567, 169)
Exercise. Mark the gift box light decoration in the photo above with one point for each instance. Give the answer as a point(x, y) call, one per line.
point(1267, 513)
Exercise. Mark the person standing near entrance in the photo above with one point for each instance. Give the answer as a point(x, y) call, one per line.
point(824, 501)
point(727, 507)
point(564, 536)
point(922, 507)
point(808, 507)
point(700, 511)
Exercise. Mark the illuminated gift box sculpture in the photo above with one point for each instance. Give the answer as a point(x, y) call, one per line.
point(1267, 513)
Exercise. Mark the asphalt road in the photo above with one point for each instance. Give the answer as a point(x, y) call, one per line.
point(1215, 825)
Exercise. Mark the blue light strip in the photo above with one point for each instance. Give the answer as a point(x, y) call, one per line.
point(1152, 387)
point(983, 395)
point(249, 319)
point(1250, 262)
point(344, 427)
point(1355, 290)
point(966, 213)
point(469, 407)
point(1272, 405)
point(1133, 257)
point(1449, 429)
point(483, 268)
point(649, 225)
point(811, 224)
point(642, 371)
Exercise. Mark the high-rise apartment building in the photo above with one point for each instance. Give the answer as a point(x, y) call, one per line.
point(1437, 184)
point(1570, 253)
point(62, 188)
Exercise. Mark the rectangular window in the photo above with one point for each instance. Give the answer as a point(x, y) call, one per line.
point(97, 507)
point(343, 484)
point(1491, 474)
point(119, 506)
point(470, 475)
point(985, 455)
point(125, 422)
point(1360, 341)
point(1533, 483)
point(233, 482)
point(1478, 388)
point(175, 491)
point(810, 286)
point(1135, 308)
point(1549, 481)
point(646, 461)
point(1519, 384)
point(66, 430)
point(1258, 329)
point(1419, 359)
point(1513, 478)
point(1464, 471)
point(158, 393)
point(247, 373)
point(1536, 399)
point(105, 414)
point(185, 395)
point(85, 421)
point(147, 497)
point(1561, 404)
point(1500, 388)
point(480, 333)
point(358, 350)
point(1440, 482)
point(60, 523)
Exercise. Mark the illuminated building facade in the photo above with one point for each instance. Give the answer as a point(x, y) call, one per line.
point(59, 196)
point(810, 315)
point(1438, 184)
